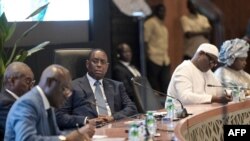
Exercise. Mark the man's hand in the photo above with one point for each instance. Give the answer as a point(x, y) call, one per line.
point(106, 118)
point(88, 129)
point(76, 136)
point(222, 99)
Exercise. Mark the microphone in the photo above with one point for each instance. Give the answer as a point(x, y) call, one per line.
point(231, 87)
point(182, 114)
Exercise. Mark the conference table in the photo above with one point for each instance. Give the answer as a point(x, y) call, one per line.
point(205, 123)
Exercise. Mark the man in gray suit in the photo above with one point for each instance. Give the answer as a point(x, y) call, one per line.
point(18, 79)
point(84, 103)
point(31, 118)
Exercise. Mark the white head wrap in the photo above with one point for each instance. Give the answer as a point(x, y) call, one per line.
point(232, 49)
point(208, 48)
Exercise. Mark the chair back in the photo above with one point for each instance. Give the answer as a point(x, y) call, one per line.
point(146, 98)
point(73, 59)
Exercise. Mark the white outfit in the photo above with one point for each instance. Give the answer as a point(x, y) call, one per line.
point(230, 77)
point(189, 84)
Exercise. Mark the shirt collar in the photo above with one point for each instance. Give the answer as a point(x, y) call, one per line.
point(12, 94)
point(125, 63)
point(44, 98)
point(92, 80)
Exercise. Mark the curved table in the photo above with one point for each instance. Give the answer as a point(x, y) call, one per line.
point(208, 120)
point(205, 123)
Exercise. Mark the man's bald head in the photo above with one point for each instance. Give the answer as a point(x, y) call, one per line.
point(18, 78)
point(56, 84)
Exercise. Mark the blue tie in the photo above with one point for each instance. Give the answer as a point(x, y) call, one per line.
point(101, 103)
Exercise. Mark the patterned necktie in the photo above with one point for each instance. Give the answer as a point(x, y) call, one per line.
point(101, 104)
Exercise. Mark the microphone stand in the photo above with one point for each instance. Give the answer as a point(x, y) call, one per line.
point(182, 114)
point(230, 87)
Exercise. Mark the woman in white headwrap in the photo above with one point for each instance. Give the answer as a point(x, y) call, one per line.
point(233, 54)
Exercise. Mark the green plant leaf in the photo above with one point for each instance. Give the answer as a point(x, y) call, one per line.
point(22, 55)
point(24, 34)
point(3, 27)
point(10, 31)
point(38, 10)
point(3, 23)
point(38, 48)
point(2, 67)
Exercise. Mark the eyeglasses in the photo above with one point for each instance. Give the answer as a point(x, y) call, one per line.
point(96, 61)
point(27, 80)
point(212, 61)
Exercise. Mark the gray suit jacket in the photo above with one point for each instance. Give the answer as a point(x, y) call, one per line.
point(79, 105)
point(28, 120)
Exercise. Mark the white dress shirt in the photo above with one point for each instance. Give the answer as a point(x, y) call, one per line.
point(131, 68)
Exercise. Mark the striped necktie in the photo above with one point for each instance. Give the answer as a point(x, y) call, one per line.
point(101, 103)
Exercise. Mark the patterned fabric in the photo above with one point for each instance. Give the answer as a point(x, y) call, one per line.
point(229, 77)
point(232, 49)
point(212, 129)
point(101, 104)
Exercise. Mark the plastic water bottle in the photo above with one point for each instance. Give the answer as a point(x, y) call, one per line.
point(169, 106)
point(142, 131)
point(168, 119)
point(236, 94)
point(151, 123)
point(133, 134)
point(242, 93)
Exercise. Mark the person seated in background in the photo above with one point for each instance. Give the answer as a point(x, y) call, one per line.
point(196, 28)
point(17, 80)
point(95, 97)
point(31, 118)
point(190, 80)
point(233, 55)
point(123, 70)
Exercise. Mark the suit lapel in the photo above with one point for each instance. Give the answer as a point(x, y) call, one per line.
point(85, 86)
point(128, 71)
point(9, 96)
point(47, 121)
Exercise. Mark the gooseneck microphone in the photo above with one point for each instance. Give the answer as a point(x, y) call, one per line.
point(230, 87)
point(181, 114)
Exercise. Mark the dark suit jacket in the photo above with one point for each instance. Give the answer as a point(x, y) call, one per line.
point(6, 101)
point(27, 120)
point(122, 73)
point(79, 106)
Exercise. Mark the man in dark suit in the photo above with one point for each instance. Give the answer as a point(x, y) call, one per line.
point(123, 70)
point(84, 103)
point(31, 118)
point(18, 79)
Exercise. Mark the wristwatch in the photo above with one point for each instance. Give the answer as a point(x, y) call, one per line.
point(62, 138)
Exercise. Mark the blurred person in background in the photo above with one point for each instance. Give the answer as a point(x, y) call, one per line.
point(196, 28)
point(157, 44)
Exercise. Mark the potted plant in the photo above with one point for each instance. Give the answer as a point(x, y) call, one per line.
point(6, 31)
